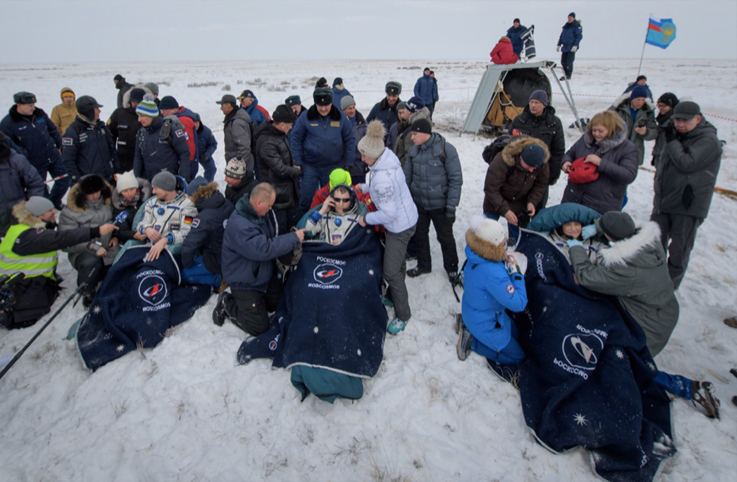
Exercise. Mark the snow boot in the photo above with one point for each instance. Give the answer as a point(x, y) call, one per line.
point(463, 347)
point(219, 314)
point(396, 326)
point(733, 371)
point(415, 272)
point(506, 373)
point(731, 321)
point(704, 394)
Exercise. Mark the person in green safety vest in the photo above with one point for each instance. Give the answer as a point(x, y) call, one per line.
point(30, 247)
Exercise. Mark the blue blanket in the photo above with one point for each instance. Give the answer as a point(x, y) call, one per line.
point(588, 379)
point(134, 306)
point(330, 315)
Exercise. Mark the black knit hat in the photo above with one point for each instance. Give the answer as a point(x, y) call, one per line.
point(282, 113)
point(321, 82)
point(323, 96)
point(137, 95)
point(337, 81)
point(421, 125)
point(533, 155)
point(669, 99)
point(617, 225)
point(118, 77)
point(168, 102)
point(91, 183)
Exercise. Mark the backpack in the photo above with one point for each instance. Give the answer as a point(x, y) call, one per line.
point(165, 132)
point(496, 146)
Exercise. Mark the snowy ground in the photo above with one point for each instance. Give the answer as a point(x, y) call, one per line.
point(186, 411)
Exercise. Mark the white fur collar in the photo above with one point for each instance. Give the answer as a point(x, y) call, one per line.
point(622, 251)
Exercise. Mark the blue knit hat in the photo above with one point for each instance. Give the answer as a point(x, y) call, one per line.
point(147, 107)
point(533, 155)
point(195, 185)
point(639, 91)
point(414, 104)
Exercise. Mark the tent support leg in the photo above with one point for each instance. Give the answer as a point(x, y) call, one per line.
point(568, 97)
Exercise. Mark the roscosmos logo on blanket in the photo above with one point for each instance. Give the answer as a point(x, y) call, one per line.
point(327, 273)
point(152, 288)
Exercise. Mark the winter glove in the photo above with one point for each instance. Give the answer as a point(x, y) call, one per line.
point(204, 159)
point(574, 49)
point(670, 134)
point(557, 49)
point(574, 242)
point(589, 231)
point(451, 215)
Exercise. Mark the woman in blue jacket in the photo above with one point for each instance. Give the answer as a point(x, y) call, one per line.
point(493, 283)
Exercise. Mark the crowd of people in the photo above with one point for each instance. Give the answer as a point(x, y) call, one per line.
point(133, 180)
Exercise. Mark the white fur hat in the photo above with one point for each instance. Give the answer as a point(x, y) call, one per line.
point(126, 180)
point(488, 229)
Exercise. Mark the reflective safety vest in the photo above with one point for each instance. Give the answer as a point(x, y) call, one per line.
point(42, 264)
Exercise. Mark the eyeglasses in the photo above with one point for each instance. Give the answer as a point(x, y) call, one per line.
point(342, 199)
point(660, 106)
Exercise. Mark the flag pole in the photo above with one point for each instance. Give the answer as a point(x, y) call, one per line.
point(643, 45)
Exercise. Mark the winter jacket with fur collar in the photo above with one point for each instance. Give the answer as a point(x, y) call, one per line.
point(384, 112)
point(635, 270)
point(617, 170)
point(644, 115)
point(549, 129)
point(208, 228)
point(36, 136)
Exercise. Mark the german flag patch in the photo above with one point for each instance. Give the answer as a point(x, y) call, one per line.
point(188, 219)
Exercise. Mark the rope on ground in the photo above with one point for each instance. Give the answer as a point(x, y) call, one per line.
point(719, 190)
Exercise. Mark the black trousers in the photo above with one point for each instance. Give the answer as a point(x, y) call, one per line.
point(90, 269)
point(287, 218)
point(566, 61)
point(249, 309)
point(678, 234)
point(444, 231)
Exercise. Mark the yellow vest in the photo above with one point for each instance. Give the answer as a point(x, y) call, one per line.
point(43, 264)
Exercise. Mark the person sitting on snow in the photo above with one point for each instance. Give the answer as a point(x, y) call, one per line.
point(167, 218)
point(129, 195)
point(566, 221)
point(337, 177)
point(634, 270)
point(493, 284)
point(337, 216)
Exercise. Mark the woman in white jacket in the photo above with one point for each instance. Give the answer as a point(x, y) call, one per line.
point(395, 210)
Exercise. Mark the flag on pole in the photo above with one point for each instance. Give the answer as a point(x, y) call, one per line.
point(661, 32)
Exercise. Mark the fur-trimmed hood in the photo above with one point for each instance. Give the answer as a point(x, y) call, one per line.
point(204, 192)
point(608, 143)
point(484, 248)
point(76, 201)
point(24, 216)
point(512, 151)
point(626, 250)
point(423, 113)
point(334, 113)
point(623, 101)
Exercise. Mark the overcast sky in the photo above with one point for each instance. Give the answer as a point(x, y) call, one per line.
point(42, 31)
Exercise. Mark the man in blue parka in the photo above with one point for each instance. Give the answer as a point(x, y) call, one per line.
point(515, 36)
point(321, 140)
point(339, 91)
point(250, 246)
point(249, 103)
point(157, 150)
point(493, 283)
point(426, 88)
point(206, 147)
point(88, 147)
point(568, 42)
point(39, 141)
point(18, 182)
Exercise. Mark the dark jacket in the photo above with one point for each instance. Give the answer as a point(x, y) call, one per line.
point(434, 183)
point(635, 270)
point(19, 180)
point(35, 135)
point(124, 125)
point(88, 148)
point(250, 248)
point(385, 113)
point(515, 36)
point(359, 130)
point(404, 143)
point(644, 115)
point(687, 172)
point(234, 194)
point(509, 187)
point(617, 170)
point(503, 53)
point(323, 141)
point(338, 95)
point(206, 235)
point(119, 204)
point(426, 89)
point(665, 123)
point(206, 143)
point(549, 129)
point(237, 137)
point(571, 35)
point(276, 166)
point(122, 87)
point(154, 154)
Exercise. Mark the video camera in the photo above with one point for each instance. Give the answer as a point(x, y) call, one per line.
point(7, 294)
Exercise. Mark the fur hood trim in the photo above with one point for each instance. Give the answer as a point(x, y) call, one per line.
point(75, 199)
point(485, 249)
point(384, 104)
point(334, 113)
point(204, 192)
point(510, 154)
point(24, 216)
point(647, 234)
point(37, 113)
point(607, 144)
point(423, 113)
point(623, 101)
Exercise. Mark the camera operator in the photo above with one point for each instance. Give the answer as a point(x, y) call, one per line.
point(30, 247)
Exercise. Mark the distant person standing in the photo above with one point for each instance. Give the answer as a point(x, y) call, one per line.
point(339, 91)
point(124, 125)
point(641, 80)
point(515, 36)
point(665, 106)
point(122, 87)
point(426, 88)
point(64, 114)
point(568, 43)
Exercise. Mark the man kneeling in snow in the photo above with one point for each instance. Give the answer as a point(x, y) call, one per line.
point(167, 218)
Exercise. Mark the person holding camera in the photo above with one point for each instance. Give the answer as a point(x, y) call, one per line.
point(30, 247)
point(638, 115)
point(516, 180)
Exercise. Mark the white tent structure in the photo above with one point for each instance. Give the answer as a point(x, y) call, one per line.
point(489, 89)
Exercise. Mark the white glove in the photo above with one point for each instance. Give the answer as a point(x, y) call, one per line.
point(557, 49)
point(574, 48)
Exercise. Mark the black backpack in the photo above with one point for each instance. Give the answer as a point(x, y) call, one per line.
point(496, 146)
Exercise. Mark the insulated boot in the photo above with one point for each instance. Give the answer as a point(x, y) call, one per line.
point(704, 394)
point(463, 347)
point(396, 326)
point(219, 314)
point(415, 272)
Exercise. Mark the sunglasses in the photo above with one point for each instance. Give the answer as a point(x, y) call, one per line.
point(342, 199)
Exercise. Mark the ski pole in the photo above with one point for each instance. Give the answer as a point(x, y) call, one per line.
point(38, 333)
point(57, 178)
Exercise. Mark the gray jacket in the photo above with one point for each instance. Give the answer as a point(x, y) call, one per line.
point(635, 270)
point(434, 183)
point(237, 135)
point(687, 172)
point(645, 115)
point(80, 213)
